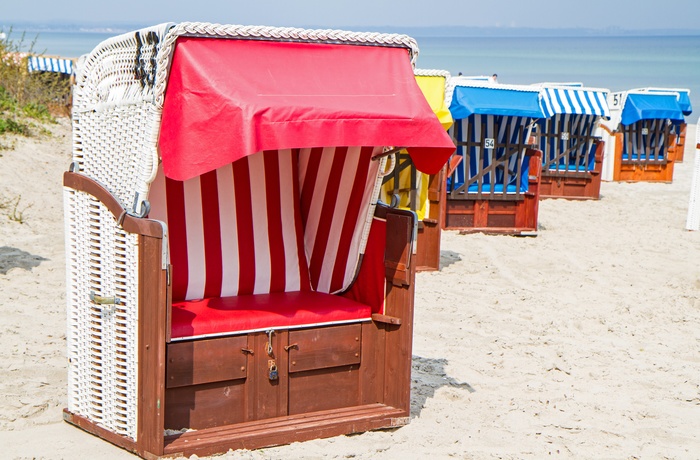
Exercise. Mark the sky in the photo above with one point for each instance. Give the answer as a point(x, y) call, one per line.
point(623, 14)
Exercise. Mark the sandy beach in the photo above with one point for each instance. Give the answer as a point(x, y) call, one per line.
point(583, 342)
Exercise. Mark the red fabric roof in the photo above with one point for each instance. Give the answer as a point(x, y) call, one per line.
point(227, 99)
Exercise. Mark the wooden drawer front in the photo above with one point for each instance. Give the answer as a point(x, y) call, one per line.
point(206, 361)
point(205, 406)
point(324, 389)
point(321, 348)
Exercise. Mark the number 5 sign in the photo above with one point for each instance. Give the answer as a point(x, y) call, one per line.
point(616, 100)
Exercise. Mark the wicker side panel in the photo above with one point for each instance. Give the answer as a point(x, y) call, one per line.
point(114, 147)
point(101, 339)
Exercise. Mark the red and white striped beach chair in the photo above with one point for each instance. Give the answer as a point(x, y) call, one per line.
point(232, 281)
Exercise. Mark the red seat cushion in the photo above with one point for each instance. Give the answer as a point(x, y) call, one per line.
point(278, 310)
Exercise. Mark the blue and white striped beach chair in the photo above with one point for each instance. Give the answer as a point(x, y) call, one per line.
point(647, 123)
point(492, 130)
point(572, 151)
point(50, 64)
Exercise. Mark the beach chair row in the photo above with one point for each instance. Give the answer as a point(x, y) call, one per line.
point(516, 144)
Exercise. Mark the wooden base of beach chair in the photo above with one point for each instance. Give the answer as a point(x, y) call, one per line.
point(493, 217)
point(255, 435)
point(216, 394)
point(253, 412)
point(625, 171)
point(574, 185)
point(510, 215)
point(260, 388)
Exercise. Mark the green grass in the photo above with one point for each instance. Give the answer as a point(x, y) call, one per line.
point(27, 98)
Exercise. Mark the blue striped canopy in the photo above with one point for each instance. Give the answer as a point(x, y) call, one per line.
point(44, 64)
point(494, 100)
point(575, 101)
point(649, 106)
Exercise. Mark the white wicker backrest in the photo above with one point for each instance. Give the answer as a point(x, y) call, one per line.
point(114, 118)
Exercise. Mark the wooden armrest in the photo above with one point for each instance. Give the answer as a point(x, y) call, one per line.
point(131, 224)
point(376, 317)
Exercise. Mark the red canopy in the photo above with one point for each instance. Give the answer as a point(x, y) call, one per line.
point(230, 98)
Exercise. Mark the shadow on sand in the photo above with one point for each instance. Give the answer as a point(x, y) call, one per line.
point(447, 258)
point(16, 258)
point(427, 376)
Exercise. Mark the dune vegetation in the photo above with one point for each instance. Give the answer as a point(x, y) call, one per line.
point(28, 99)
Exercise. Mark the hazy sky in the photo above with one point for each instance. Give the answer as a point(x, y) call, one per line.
point(626, 14)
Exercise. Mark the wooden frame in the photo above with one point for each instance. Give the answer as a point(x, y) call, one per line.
point(237, 406)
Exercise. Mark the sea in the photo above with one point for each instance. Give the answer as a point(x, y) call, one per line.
point(617, 63)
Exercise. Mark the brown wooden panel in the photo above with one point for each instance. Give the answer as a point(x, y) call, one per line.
point(372, 368)
point(151, 351)
point(324, 389)
point(399, 246)
point(91, 427)
point(320, 348)
point(205, 406)
point(206, 361)
point(266, 398)
point(283, 430)
point(428, 246)
point(398, 347)
point(501, 220)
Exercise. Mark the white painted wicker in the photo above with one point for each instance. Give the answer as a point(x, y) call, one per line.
point(101, 339)
point(693, 221)
point(117, 107)
point(431, 73)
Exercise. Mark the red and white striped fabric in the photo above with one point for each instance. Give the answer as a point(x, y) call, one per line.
point(276, 221)
point(236, 230)
point(337, 185)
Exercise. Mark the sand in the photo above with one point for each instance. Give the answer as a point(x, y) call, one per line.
point(583, 342)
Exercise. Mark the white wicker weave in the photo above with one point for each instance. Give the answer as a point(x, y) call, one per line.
point(117, 107)
point(693, 221)
point(431, 73)
point(102, 348)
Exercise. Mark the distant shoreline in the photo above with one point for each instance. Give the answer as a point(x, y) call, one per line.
point(419, 31)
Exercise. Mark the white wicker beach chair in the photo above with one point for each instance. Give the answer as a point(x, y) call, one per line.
point(231, 281)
